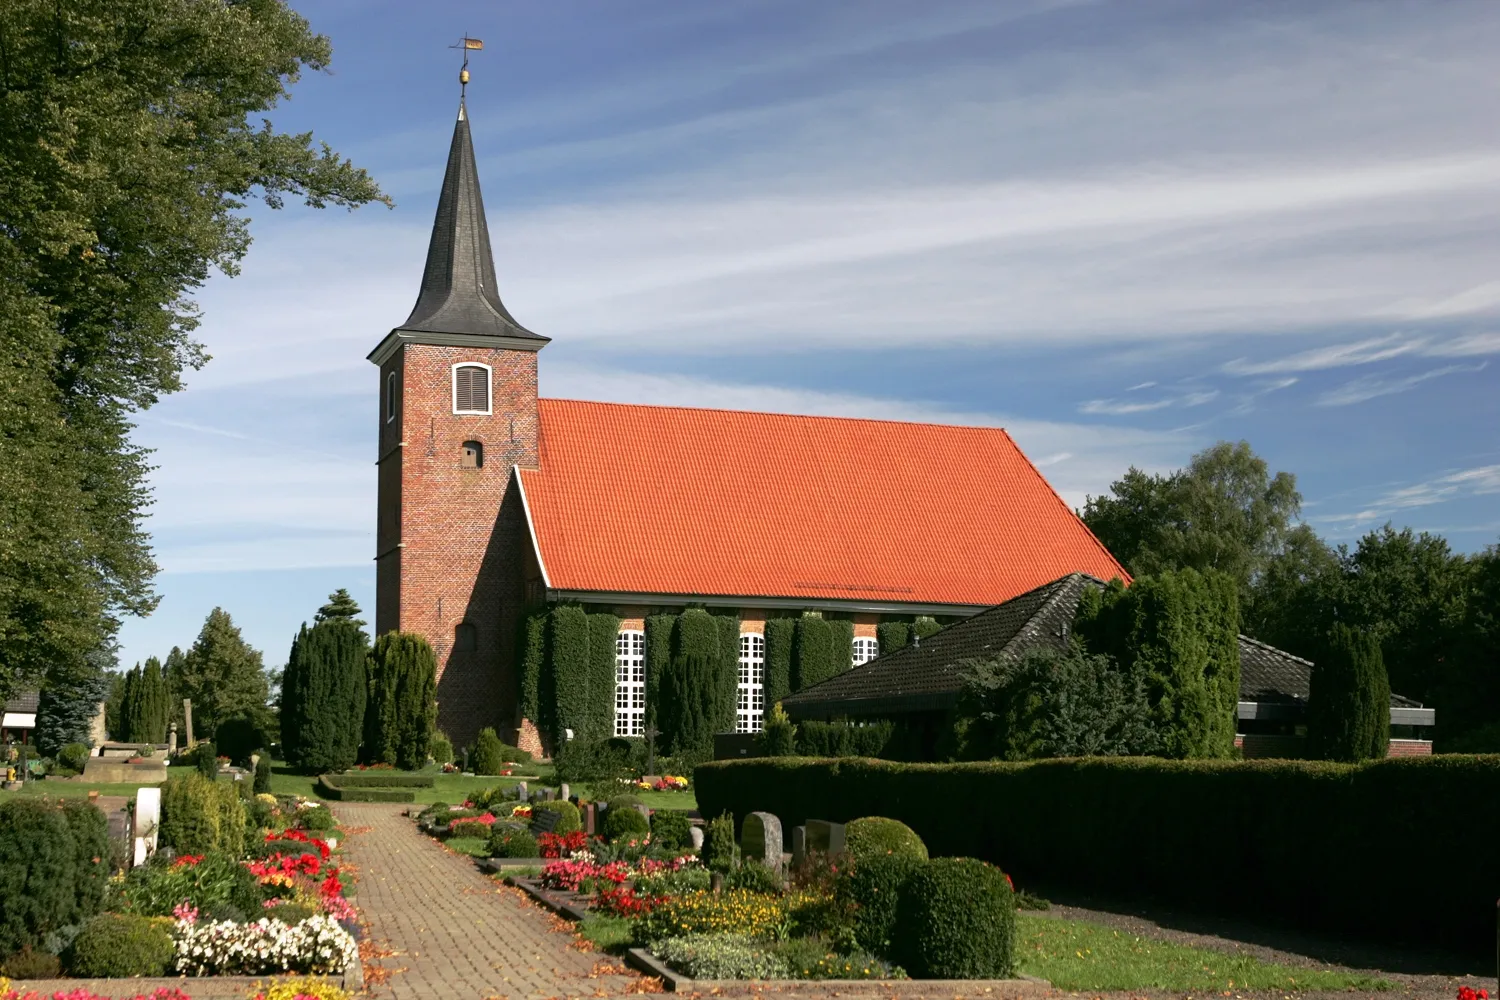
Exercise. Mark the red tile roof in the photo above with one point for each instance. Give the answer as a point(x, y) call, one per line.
point(669, 500)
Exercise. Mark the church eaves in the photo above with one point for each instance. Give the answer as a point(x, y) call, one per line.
point(459, 303)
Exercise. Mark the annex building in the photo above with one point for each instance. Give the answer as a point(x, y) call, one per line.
point(493, 501)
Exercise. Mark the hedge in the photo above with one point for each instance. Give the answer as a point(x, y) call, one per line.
point(53, 868)
point(728, 672)
point(533, 640)
point(891, 636)
point(604, 634)
point(813, 655)
point(1350, 848)
point(329, 790)
point(778, 659)
point(658, 655)
point(381, 779)
point(568, 644)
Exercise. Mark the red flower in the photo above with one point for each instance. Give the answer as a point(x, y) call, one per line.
point(187, 861)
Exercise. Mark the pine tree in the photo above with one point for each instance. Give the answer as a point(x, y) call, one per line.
point(114, 704)
point(172, 669)
point(223, 676)
point(340, 607)
point(401, 710)
point(1349, 707)
point(323, 694)
point(147, 704)
point(71, 696)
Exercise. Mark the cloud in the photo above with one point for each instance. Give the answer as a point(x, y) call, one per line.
point(1477, 481)
point(1362, 352)
point(1114, 408)
point(1370, 387)
point(1467, 346)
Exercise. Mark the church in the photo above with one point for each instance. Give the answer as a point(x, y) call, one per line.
point(493, 502)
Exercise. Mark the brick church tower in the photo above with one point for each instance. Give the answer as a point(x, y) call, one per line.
point(458, 411)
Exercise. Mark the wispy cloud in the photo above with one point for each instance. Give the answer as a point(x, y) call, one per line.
point(1477, 481)
point(1361, 352)
point(1125, 407)
point(1371, 387)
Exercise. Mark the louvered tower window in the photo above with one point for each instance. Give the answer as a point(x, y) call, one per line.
point(750, 706)
point(471, 388)
point(630, 683)
point(865, 649)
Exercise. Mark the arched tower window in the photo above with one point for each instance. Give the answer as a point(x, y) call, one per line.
point(390, 397)
point(750, 705)
point(471, 455)
point(465, 637)
point(630, 683)
point(471, 388)
point(865, 649)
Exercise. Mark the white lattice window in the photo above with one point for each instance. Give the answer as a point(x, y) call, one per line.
point(630, 684)
point(750, 706)
point(865, 649)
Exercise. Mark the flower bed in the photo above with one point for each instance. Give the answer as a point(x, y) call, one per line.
point(317, 944)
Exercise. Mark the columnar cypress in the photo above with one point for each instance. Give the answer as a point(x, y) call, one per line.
point(568, 692)
point(658, 659)
point(728, 672)
point(604, 631)
point(401, 710)
point(841, 631)
point(779, 637)
point(690, 689)
point(147, 704)
point(533, 638)
point(323, 695)
point(1349, 711)
point(813, 657)
point(892, 636)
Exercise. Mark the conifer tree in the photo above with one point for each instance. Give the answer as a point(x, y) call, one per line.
point(1349, 707)
point(72, 693)
point(323, 694)
point(340, 607)
point(147, 704)
point(401, 710)
point(223, 676)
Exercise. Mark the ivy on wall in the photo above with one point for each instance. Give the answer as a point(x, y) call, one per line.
point(658, 656)
point(813, 657)
point(533, 652)
point(604, 631)
point(779, 637)
point(568, 639)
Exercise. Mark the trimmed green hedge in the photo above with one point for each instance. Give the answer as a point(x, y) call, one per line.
point(329, 790)
point(533, 641)
point(813, 658)
point(604, 634)
point(380, 779)
point(568, 643)
point(728, 672)
point(658, 657)
point(1355, 849)
point(892, 636)
point(779, 633)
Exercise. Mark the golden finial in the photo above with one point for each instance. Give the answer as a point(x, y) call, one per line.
point(468, 44)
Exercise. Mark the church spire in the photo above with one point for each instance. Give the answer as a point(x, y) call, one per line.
point(458, 293)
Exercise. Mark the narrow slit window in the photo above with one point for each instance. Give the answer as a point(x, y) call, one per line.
point(630, 683)
point(865, 649)
point(390, 397)
point(471, 389)
point(750, 705)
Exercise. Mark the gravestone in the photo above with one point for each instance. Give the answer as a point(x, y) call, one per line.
point(799, 846)
point(564, 792)
point(695, 837)
point(547, 794)
point(824, 837)
point(544, 820)
point(761, 840)
point(172, 740)
point(147, 819)
point(645, 811)
point(589, 825)
point(520, 791)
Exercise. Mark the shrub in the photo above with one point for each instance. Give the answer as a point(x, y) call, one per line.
point(53, 866)
point(670, 883)
point(469, 828)
point(301, 988)
point(872, 886)
point(238, 738)
point(754, 877)
point(875, 836)
point(507, 841)
point(810, 958)
point(441, 749)
point(596, 762)
point(955, 919)
point(840, 739)
point(29, 964)
point(814, 656)
point(623, 821)
point(491, 755)
point(779, 640)
point(206, 759)
point(199, 816)
point(290, 911)
point(671, 830)
point(73, 757)
point(779, 736)
point(569, 819)
point(217, 879)
point(719, 849)
point(721, 956)
point(733, 911)
point(1349, 708)
point(689, 700)
point(401, 709)
point(263, 774)
point(323, 695)
point(120, 945)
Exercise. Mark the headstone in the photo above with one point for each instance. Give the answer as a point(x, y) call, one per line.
point(564, 792)
point(544, 820)
point(716, 882)
point(546, 794)
point(760, 840)
point(695, 837)
point(799, 846)
point(824, 837)
point(187, 718)
point(147, 819)
point(520, 791)
point(589, 826)
point(644, 810)
point(172, 740)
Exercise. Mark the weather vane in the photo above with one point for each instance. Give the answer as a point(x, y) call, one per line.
point(468, 45)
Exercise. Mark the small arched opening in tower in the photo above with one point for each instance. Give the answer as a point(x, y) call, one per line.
point(471, 455)
point(465, 638)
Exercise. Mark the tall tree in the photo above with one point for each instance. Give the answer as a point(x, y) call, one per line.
point(401, 709)
point(72, 696)
point(323, 694)
point(223, 676)
point(1225, 512)
point(127, 151)
point(147, 707)
point(340, 607)
point(1349, 707)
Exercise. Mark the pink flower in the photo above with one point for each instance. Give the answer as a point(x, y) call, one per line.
point(186, 911)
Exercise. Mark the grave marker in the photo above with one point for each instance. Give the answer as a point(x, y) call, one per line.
point(825, 837)
point(761, 840)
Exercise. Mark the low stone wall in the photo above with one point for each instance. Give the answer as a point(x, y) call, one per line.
point(116, 771)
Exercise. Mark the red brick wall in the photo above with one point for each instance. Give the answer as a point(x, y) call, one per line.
point(461, 532)
point(1294, 747)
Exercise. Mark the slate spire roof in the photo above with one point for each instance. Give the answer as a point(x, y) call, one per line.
point(458, 293)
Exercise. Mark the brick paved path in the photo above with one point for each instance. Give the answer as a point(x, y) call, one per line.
point(457, 933)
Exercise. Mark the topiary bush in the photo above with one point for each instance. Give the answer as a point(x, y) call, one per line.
point(872, 886)
point(74, 756)
point(509, 841)
point(569, 819)
point(623, 821)
point(719, 849)
point(874, 836)
point(955, 919)
point(490, 755)
point(206, 759)
point(671, 830)
point(441, 749)
point(53, 866)
point(120, 945)
point(189, 815)
point(263, 774)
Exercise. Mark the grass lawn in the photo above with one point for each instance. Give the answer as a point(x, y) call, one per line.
point(72, 789)
point(474, 847)
point(1074, 955)
point(449, 788)
point(609, 934)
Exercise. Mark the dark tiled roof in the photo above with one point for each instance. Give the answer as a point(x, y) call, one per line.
point(458, 284)
point(22, 701)
point(927, 677)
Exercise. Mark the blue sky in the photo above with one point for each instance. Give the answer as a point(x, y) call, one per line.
point(1121, 230)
